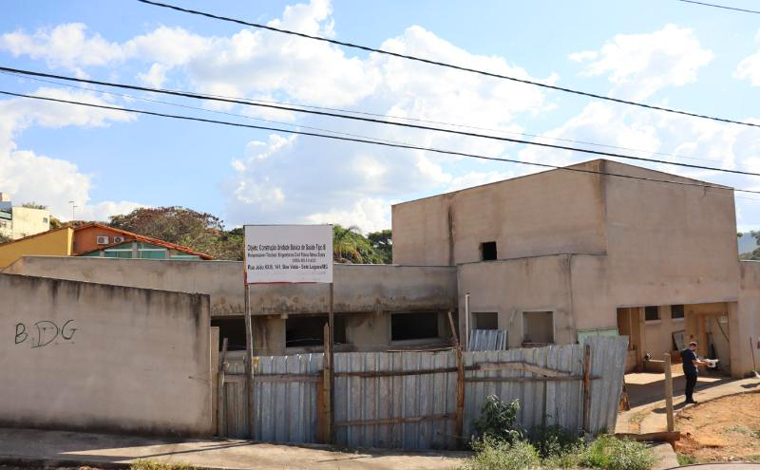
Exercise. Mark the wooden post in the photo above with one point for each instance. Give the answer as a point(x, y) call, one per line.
point(327, 377)
point(221, 411)
point(454, 338)
point(459, 418)
point(669, 393)
point(587, 388)
point(248, 363)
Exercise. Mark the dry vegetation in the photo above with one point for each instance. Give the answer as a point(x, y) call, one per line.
point(726, 429)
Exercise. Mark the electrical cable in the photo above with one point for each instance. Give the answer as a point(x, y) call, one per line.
point(384, 144)
point(448, 65)
point(402, 118)
point(725, 7)
point(376, 121)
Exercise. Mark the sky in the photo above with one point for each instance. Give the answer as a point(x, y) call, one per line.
point(662, 52)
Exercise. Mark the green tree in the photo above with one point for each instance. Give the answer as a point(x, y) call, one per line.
point(382, 242)
point(350, 246)
point(33, 205)
point(196, 230)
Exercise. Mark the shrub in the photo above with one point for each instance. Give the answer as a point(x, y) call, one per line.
point(150, 464)
point(610, 453)
point(494, 454)
point(498, 420)
point(553, 440)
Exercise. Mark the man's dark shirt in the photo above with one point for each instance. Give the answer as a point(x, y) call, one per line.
point(688, 357)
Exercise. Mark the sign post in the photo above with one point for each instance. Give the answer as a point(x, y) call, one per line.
point(288, 254)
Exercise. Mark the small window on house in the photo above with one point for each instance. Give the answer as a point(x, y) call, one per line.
point(485, 320)
point(676, 312)
point(651, 313)
point(406, 326)
point(45, 220)
point(303, 330)
point(488, 251)
point(538, 328)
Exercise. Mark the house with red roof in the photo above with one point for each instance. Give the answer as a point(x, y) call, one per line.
point(96, 239)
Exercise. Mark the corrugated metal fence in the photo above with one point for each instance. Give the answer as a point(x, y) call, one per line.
point(409, 399)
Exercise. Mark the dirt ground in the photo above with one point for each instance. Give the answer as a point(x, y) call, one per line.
point(725, 429)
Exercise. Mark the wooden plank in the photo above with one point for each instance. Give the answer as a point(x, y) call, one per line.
point(587, 388)
point(221, 416)
point(459, 422)
point(524, 366)
point(287, 378)
point(221, 397)
point(395, 373)
point(669, 393)
point(327, 388)
point(454, 338)
point(664, 436)
point(248, 363)
point(570, 378)
point(380, 422)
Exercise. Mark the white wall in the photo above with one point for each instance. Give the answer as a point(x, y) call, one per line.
point(76, 355)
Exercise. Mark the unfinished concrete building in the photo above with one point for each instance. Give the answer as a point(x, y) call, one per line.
point(599, 248)
point(553, 256)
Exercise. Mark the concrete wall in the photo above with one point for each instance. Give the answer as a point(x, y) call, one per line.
point(511, 287)
point(87, 356)
point(358, 288)
point(364, 288)
point(54, 242)
point(222, 280)
point(548, 213)
point(744, 324)
point(669, 244)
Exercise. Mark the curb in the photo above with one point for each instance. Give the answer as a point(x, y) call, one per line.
point(105, 464)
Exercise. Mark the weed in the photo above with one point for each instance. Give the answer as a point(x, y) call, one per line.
point(150, 464)
point(610, 453)
point(498, 420)
point(685, 459)
point(493, 454)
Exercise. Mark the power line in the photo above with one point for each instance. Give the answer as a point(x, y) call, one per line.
point(725, 7)
point(377, 121)
point(365, 113)
point(252, 102)
point(379, 143)
point(226, 113)
point(448, 65)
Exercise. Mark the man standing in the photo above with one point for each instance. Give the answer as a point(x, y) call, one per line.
point(690, 363)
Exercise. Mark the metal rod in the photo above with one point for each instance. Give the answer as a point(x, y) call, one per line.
point(669, 393)
point(248, 362)
point(331, 320)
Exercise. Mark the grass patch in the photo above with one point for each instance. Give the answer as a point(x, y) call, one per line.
point(610, 453)
point(685, 459)
point(501, 443)
point(150, 464)
point(606, 453)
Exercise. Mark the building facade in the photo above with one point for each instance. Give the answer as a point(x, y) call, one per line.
point(18, 221)
point(597, 248)
point(556, 255)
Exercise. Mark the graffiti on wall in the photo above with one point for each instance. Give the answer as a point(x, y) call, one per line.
point(44, 333)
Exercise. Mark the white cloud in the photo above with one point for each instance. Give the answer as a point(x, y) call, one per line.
point(749, 69)
point(287, 179)
point(155, 76)
point(369, 214)
point(27, 176)
point(66, 45)
point(641, 64)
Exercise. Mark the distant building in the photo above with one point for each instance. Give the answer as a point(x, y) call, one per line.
point(108, 242)
point(19, 221)
point(95, 240)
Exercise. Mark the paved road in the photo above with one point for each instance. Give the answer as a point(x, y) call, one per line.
point(65, 449)
point(724, 466)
